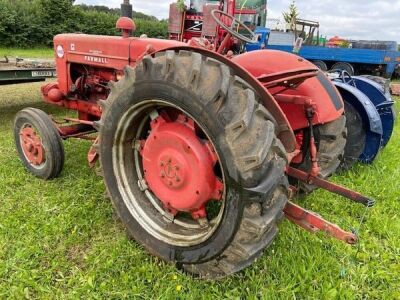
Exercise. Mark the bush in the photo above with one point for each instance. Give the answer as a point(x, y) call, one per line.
point(34, 23)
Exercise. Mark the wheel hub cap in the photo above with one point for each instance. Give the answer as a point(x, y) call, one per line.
point(32, 146)
point(179, 166)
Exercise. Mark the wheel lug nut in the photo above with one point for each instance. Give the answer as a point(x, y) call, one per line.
point(161, 164)
point(170, 183)
point(162, 175)
point(177, 168)
point(177, 179)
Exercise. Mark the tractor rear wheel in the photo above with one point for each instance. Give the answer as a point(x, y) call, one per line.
point(356, 137)
point(330, 139)
point(192, 163)
point(38, 143)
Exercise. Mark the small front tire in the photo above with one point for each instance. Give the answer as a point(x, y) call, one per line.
point(38, 143)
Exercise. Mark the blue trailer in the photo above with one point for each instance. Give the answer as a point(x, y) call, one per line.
point(354, 61)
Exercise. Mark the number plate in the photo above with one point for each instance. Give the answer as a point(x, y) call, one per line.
point(43, 74)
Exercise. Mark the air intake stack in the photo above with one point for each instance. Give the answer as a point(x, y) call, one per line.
point(126, 9)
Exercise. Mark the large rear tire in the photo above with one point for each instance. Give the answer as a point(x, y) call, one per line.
point(356, 137)
point(252, 161)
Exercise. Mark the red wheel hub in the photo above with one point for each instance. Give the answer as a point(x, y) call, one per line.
point(32, 146)
point(179, 166)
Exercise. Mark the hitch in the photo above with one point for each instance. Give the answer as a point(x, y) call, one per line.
point(315, 223)
point(331, 187)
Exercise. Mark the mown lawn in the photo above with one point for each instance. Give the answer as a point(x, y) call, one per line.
point(27, 53)
point(60, 240)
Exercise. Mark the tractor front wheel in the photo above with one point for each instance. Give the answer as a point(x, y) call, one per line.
point(38, 143)
point(192, 163)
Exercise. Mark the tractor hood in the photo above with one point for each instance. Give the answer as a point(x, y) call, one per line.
point(111, 52)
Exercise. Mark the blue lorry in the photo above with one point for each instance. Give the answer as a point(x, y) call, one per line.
point(381, 62)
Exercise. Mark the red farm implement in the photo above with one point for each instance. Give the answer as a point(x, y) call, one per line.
point(196, 145)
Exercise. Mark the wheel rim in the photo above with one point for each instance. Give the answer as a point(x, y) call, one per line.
point(32, 146)
point(173, 205)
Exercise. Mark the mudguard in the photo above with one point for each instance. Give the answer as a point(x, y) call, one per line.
point(328, 103)
point(370, 116)
point(382, 101)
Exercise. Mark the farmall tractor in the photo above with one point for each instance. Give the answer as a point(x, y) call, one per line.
point(194, 143)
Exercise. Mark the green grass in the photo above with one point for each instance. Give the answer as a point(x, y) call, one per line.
point(27, 53)
point(59, 239)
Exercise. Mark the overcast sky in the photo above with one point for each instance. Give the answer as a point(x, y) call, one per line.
point(357, 19)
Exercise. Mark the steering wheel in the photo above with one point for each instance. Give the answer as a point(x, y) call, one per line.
point(235, 23)
point(344, 76)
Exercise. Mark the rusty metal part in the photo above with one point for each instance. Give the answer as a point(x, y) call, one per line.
point(80, 121)
point(329, 186)
point(93, 155)
point(315, 223)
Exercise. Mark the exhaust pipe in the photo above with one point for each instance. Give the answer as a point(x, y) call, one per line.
point(126, 9)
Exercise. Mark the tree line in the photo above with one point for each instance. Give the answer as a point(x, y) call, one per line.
point(34, 23)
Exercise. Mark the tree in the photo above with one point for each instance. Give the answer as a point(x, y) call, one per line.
point(31, 23)
point(180, 4)
point(291, 15)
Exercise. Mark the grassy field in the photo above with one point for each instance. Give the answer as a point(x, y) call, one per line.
point(60, 240)
point(27, 53)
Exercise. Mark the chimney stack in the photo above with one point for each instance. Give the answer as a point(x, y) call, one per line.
point(126, 9)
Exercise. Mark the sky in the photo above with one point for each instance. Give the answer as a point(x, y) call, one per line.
point(355, 19)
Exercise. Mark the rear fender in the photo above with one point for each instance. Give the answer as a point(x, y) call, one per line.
point(328, 102)
point(370, 116)
point(383, 103)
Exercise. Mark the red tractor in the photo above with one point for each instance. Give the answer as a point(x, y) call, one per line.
point(195, 145)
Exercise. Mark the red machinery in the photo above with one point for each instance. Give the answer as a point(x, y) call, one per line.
point(197, 21)
point(194, 145)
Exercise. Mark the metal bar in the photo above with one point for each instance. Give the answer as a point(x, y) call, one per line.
point(79, 121)
point(20, 75)
point(331, 187)
point(283, 74)
point(294, 99)
point(82, 135)
point(75, 131)
point(315, 223)
point(224, 43)
point(287, 78)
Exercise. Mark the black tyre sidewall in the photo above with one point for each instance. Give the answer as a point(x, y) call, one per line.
point(355, 144)
point(321, 65)
point(234, 202)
